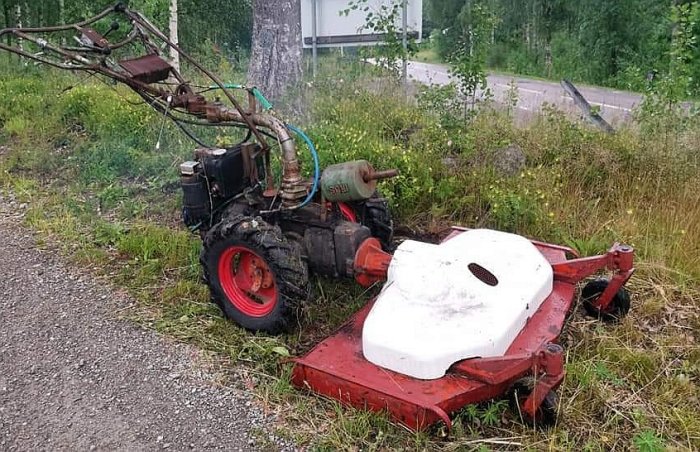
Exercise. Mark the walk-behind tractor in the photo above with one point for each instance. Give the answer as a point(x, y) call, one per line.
point(474, 318)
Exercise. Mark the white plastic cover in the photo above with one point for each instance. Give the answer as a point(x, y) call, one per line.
point(434, 310)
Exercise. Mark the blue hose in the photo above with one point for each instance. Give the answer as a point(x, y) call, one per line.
point(317, 166)
point(268, 106)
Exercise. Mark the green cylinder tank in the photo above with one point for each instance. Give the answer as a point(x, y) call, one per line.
point(347, 181)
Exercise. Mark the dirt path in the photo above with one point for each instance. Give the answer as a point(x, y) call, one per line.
point(73, 377)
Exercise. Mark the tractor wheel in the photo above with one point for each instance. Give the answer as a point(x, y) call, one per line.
point(255, 275)
point(546, 414)
point(375, 214)
point(616, 310)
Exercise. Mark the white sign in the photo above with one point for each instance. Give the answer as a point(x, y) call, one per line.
point(336, 30)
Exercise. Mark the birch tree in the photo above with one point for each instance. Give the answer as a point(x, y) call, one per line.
point(174, 55)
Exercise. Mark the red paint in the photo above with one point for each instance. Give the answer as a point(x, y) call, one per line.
point(347, 212)
point(371, 262)
point(247, 281)
point(337, 368)
point(619, 260)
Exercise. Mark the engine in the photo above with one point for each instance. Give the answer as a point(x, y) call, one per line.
point(214, 178)
point(212, 184)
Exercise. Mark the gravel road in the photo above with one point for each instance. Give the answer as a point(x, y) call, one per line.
point(74, 377)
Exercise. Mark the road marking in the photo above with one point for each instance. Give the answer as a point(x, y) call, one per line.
point(520, 89)
point(602, 105)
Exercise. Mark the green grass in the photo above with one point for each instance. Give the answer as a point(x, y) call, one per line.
point(428, 54)
point(88, 170)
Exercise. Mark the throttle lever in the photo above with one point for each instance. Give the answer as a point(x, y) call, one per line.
point(112, 27)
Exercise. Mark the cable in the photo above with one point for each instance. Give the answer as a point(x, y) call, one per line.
point(317, 166)
point(162, 124)
point(191, 135)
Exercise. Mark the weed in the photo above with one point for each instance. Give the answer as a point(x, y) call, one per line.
point(489, 414)
point(648, 441)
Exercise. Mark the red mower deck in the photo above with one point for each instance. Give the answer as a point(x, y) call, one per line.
point(336, 367)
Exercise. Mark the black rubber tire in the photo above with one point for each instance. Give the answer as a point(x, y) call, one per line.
point(375, 214)
point(283, 258)
point(547, 413)
point(616, 310)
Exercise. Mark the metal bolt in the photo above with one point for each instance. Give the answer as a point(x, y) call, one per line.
point(554, 348)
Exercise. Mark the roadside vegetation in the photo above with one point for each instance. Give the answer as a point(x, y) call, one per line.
point(85, 162)
point(622, 44)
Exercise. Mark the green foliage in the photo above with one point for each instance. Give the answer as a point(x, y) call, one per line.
point(443, 101)
point(468, 60)
point(677, 83)
point(108, 118)
point(648, 441)
point(615, 43)
point(444, 14)
point(220, 28)
point(386, 21)
point(511, 209)
point(663, 110)
point(24, 99)
point(488, 414)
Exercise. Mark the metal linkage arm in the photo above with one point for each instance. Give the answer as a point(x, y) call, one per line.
point(156, 81)
point(619, 259)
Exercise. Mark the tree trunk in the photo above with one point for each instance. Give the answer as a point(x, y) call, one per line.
point(8, 24)
point(174, 56)
point(62, 17)
point(18, 16)
point(275, 61)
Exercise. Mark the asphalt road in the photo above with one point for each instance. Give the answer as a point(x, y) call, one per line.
point(615, 106)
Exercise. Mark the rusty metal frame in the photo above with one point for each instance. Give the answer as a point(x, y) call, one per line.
point(180, 104)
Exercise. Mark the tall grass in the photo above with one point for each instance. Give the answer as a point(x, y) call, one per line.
point(85, 161)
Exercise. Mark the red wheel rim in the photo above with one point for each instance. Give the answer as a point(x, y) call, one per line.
point(247, 281)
